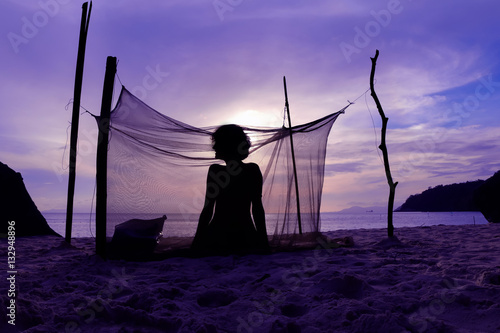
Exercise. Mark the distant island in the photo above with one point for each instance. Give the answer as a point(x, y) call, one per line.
point(362, 210)
point(444, 198)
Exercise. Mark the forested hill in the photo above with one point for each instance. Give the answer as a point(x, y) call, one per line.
point(443, 198)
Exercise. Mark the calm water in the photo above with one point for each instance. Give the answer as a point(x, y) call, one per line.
point(84, 224)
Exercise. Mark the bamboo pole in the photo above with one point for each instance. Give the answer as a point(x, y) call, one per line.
point(299, 220)
point(76, 117)
point(102, 156)
point(383, 148)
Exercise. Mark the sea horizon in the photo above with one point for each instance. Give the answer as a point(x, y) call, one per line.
point(185, 224)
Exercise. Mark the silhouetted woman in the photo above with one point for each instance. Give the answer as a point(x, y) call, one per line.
point(235, 191)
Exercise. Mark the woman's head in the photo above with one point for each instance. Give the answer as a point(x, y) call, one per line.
point(230, 143)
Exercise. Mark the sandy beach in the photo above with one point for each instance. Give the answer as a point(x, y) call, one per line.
point(436, 279)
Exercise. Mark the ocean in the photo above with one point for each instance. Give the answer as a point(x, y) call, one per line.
point(84, 223)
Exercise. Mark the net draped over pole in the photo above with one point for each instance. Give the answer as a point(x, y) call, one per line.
point(158, 165)
point(102, 156)
point(292, 151)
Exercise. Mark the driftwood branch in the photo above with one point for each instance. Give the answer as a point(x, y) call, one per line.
point(383, 148)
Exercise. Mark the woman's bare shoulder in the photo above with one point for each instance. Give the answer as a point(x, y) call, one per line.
point(253, 167)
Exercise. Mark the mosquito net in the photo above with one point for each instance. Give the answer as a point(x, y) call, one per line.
point(158, 166)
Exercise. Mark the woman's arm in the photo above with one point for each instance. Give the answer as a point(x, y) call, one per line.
point(258, 213)
point(259, 217)
point(207, 211)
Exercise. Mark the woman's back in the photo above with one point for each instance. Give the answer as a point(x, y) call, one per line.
point(234, 190)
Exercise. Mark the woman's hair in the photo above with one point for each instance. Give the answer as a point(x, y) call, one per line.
point(231, 142)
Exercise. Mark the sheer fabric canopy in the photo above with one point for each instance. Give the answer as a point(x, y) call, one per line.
point(158, 166)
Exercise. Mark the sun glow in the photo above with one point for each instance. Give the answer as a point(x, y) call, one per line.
point(255, 118)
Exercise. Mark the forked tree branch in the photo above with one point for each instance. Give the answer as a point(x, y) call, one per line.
point(383, 148)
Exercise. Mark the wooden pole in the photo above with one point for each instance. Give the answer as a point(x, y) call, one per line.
point(75, 117)
point(383, 148)
point(293, 158)
point(102, 156)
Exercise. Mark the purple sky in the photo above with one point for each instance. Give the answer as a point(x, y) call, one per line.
point(206, 62)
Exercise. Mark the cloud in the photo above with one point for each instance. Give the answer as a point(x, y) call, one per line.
point(334, 168)
point(431, 59)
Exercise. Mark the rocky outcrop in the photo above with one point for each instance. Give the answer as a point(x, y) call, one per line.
point(16, 205)
point(487, 198)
